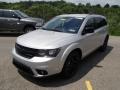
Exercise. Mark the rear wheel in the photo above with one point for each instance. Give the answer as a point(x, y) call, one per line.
point(28, 29)
point(71, 65)
point(105, 44)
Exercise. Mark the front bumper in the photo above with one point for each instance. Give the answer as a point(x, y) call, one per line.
point(37, 66)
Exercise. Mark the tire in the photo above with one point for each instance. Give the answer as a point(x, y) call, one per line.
point(71, 65)
point(105, 44)
point(28, 29)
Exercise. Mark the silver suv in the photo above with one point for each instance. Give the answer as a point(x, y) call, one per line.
point(60, 44)
point(15, 21)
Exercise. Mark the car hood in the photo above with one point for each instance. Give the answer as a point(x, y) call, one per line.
point(33, 19)
point(42, 39)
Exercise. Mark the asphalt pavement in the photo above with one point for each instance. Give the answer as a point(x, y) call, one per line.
point(98, 71)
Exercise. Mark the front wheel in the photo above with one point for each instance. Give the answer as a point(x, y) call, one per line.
point(71, 65)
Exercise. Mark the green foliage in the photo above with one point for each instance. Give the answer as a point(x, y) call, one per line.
point(47, 10)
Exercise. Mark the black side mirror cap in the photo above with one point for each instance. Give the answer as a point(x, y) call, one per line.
point(18, 17)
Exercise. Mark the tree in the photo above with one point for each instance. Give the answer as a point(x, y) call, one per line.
point(88, 5)
point(107, 6)
point(115, 6)
point(98, 5)
point(4, 5)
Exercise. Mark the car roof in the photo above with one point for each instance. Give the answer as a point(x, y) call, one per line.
point(6, 10)
point(74, 15)
point(81, 15)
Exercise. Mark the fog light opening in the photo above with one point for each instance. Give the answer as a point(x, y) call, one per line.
point(42, 72)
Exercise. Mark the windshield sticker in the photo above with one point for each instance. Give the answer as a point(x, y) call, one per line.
point(72, 30)
point(79, 18)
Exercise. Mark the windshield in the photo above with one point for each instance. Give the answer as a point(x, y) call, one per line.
point(21, 14)
point(64, 24)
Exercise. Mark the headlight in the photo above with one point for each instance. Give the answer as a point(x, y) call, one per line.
point(50, 52)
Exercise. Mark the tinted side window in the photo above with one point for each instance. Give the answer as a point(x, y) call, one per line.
point(104, 22)
point(9, 14)
point(1, 14)
point(99, 22)
point(90, 23)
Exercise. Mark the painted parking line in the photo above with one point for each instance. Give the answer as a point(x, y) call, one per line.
point(88, 85)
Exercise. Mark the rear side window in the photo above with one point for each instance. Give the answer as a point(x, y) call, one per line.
point(100, 22)
point(9, 14)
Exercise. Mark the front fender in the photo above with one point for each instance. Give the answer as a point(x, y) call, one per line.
point(67, 51)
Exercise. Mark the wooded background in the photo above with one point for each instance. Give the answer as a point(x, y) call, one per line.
point(47, 10)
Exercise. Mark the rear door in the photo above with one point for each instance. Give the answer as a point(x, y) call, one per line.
point(100, 29)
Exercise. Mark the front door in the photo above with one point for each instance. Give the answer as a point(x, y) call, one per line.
point(89, 40)
point(9, 21)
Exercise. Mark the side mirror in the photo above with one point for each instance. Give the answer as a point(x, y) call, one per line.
point(15, 16)
point(19, 18)
point(88, 29)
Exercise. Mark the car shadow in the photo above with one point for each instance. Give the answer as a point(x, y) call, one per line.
point(85, 66)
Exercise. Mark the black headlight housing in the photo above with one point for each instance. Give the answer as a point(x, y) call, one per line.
point(49, 53)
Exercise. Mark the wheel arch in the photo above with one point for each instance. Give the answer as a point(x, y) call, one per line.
point(69, 50)
point(28, 25)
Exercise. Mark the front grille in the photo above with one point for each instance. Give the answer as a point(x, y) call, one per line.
point(23, 67)
point(25, 51)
